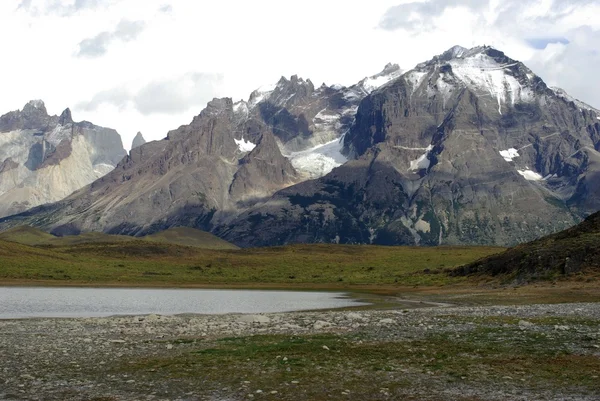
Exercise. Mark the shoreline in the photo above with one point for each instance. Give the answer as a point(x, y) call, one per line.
point(437, 353)
point(470, 293)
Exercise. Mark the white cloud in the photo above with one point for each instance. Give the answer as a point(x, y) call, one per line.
point(142, 82)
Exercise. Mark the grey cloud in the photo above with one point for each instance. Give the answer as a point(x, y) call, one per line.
point(117, 97)
point(129, 30)
point(418, 15)
point(168, 96)
point(177, 95)
point(166, 8)
point(96, 46)
point(125, 31)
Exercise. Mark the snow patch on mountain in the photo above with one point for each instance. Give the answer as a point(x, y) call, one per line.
point(423, 162)
point(530, 175)
point(319, 160)
point(390, 73)
point(261, 94)
point(485, 74)
point(102, 169)
point(509, 154)
point(370, 84)
point(240, 107)
point(244, 146)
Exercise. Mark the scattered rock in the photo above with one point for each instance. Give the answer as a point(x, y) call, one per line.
point(261, 319)
point(320, 324)
point(524, 324)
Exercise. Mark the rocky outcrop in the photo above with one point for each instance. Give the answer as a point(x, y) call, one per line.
point(138, 141)
point(45, 158)
point(470, 147)
point(568, 252)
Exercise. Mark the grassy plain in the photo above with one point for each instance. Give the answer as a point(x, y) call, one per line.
point(142, 263)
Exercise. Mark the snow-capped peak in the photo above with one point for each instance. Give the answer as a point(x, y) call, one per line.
point(389, 73)
point(281, 92)
point(457, 51)
point(485, 70)
point(261, 94)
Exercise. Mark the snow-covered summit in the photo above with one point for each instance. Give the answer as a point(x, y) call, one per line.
point(389, 73)
point(483, 69)
point(280, 93)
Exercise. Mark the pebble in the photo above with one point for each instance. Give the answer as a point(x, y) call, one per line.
point(107, 342)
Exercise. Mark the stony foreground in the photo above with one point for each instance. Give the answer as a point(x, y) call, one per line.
point(535, 352)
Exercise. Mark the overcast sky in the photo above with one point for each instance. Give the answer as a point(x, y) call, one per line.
point(151, 65)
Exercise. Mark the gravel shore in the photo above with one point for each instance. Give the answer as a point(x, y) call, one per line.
point(83, 359)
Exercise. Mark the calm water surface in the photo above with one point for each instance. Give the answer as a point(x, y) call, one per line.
point(30, 302)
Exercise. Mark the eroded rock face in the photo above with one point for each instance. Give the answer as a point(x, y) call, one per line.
point(468, 148)
point(45, 158)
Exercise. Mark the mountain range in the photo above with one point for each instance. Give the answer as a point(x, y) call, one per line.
point(470, 147)
point(46, 158)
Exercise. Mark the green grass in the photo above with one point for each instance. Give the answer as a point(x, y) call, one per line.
point(27, 236)
point(484, 356)
point(184, 236)
point(141, 262)
point(190, 237)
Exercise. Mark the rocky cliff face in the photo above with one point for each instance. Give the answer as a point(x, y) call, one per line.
point(469, 147)
point(45, 158)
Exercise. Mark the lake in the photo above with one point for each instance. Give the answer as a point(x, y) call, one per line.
point(32, 302)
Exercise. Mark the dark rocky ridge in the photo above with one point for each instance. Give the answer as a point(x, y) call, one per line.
point(567, 252)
